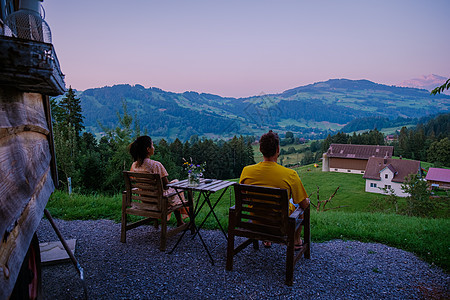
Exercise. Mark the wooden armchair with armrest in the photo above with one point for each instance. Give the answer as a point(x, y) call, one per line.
point(262, 213)
point(143, 196)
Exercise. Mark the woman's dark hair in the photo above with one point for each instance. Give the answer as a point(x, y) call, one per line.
point(268, 144)
point(138, 149)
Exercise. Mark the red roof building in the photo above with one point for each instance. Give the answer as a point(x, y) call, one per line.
point(349, 158)
point(437, 177)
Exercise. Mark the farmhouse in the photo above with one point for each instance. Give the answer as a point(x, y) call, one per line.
point(439, 178)
point(389, 173)
point(352, 158)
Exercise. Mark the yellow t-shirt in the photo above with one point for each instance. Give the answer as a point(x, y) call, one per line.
point(271, 174)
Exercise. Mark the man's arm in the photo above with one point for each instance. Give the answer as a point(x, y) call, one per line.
point(304, 204)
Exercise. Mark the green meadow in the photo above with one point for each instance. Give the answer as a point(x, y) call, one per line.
point(427, 238)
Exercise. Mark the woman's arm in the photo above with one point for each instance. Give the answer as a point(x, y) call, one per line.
point(165, 182)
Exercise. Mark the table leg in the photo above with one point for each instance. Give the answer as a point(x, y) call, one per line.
point(192, 214)
point(211, 207)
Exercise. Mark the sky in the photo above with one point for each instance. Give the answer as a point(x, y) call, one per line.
point(242, 48)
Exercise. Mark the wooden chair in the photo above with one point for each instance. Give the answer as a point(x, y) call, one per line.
point(262, 213)
point(144, 197)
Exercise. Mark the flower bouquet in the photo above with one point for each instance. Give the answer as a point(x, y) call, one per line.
point(195, 172)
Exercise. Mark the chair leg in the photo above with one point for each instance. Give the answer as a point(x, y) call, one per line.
point(178, 217)
point(191, 211)
point(230, 251)
point(290, 263)
point(256, 244)
point(156, 224)
point(123, 229)
point(307, 232)
point(163, 242)
point(290, 260)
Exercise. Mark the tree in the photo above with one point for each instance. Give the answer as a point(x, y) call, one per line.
point(66, 146)
point(67, 125)
point(119, 138)
point(418, 203)
point(439, 153)
point(70, 112)
point(441, 88)
point(308, 158)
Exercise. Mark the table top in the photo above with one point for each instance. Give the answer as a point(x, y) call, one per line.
point(214, 186)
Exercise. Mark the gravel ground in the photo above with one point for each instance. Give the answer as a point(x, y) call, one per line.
point(138, 270)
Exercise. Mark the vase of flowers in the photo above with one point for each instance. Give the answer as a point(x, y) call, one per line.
point(195, 172)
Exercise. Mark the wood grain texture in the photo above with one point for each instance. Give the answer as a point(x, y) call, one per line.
point(21, 110)
point(23, 160)
point(13, 250)
point(26, 182)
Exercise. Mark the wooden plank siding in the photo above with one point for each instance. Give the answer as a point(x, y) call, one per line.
point(347, 163)
point(440, 184)
point(26, 180)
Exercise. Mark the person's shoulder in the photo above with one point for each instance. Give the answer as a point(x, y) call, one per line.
point(156, 163)
point(291, 172)
point(153, 161)
point(249, 167)
point(285, 169)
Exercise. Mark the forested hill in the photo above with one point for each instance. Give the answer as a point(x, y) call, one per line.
point(313, 110)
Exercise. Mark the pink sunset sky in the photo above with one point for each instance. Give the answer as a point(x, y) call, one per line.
point(247, 47)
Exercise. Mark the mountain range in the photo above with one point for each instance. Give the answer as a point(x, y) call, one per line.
point(428, 82)
point(311, 111)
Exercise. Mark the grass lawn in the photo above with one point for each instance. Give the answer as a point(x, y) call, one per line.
point(351, 188)
point(427, 238)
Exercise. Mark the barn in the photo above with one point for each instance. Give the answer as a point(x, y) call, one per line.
point(348, 158)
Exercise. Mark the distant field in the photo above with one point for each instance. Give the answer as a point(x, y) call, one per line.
point(310, 124)
point(392, 130)
point(293, 158)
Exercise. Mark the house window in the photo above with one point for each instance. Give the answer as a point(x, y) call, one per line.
point(348, 170)
point(373, 185)
point(386, 176)
point(387, 186)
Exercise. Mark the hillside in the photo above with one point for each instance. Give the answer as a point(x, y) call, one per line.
point(312, 111)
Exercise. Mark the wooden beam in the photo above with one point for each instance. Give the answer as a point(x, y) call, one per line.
point(30, 66)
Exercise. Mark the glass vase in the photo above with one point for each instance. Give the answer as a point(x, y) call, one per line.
point(193, 179)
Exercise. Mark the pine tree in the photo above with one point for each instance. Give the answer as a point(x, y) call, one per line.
point(70, 113)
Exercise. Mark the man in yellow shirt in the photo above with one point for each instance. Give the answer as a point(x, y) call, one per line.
point(270, 174)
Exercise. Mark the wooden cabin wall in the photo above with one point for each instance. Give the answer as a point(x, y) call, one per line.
point(26, 180)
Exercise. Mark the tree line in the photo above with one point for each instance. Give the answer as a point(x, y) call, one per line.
point(96, 165)
point(428, 141)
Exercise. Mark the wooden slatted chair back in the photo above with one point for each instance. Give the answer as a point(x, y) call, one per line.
point(262, 209)
point(144, 191)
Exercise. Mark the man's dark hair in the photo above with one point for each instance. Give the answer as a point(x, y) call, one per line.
point(268, 144)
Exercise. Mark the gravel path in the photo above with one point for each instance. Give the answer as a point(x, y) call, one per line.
point(138, 270)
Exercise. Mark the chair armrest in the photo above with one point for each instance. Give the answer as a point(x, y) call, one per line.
point(297, 213)
point(173, 194)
